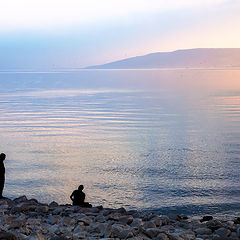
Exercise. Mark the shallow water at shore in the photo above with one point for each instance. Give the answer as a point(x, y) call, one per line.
point(162, 140)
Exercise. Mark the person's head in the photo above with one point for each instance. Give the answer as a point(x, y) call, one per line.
point(80, 188)
point(2, 156)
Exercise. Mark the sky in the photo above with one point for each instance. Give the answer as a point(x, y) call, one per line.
point(47, 34)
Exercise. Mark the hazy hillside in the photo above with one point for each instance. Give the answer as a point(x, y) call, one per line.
point(191, 58)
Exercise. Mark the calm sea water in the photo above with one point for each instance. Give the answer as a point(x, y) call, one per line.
point(167, 140)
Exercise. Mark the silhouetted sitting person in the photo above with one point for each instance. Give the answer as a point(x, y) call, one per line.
point(78, 197)
point(2, 173)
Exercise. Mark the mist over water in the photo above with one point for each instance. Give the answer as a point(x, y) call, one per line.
point(146, 139)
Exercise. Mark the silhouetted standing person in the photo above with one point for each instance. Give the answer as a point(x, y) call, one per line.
point(2, 173)
point(78, 198)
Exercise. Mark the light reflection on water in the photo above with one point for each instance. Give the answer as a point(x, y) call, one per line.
point(138, 139)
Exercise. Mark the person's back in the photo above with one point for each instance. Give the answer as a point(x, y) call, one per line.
point(78, 198)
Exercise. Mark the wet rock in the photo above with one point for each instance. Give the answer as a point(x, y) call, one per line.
point(114, 217)
point(37, 236)
point(126, 219)
point(137, 222)
point(238, 232)
point(42, 209)
point(162, 236)
point(79, 235)
point(121, 210)
point(183, 224)
point(67, 221)
point(22, 207)
point(174, 236)
point(234, 235)
point(100, 218)
point(96, 228)
point(149, 224)
point(59, 238)
point(20, 199)
point(237, 220)
point(152, 232)
point(53, 204)
point(57, 210)
point(203, 231)
point(157, 221)
point(167, 228)
point(206, 218)
point(106, 231)
point(7, 236)
point(165, 220)
point(53, 219)
point(86, 220)
point(18, 222)
point(174, 217)
point(214, 224)
point(120, 232)
point(223, 232)
point(186, 235)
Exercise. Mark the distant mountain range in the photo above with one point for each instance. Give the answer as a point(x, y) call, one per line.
point(189, 58)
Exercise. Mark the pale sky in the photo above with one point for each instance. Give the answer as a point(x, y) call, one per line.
point(37, 34)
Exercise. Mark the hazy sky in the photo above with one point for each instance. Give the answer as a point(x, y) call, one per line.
point(37, 34)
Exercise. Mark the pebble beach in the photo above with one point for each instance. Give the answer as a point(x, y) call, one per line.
point(24, 218)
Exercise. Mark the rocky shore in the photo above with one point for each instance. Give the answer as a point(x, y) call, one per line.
point(28, 219)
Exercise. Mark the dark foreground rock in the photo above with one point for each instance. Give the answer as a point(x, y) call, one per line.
point(28, 219)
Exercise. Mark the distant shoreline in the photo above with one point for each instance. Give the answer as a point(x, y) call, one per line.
point(114, 69)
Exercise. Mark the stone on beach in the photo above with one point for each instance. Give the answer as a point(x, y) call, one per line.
point(25, 219)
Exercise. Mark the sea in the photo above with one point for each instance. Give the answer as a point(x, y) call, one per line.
point(165, 140)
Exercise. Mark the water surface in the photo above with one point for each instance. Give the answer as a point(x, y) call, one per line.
point(167, 140)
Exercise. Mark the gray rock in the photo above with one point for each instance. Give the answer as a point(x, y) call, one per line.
point(79, 235)
point(22, 207)
point(57, 210)
point(86, 220)
point(174, 236)
point(120, 232)
point(165, 220)
point(152, 232)
point(157, 221)
point(113, 216)
point(107, 231)
point(53, 219)
point(238, 232)
point(174, 217)
point(33, 221)
point(67, 221)
point(234, 235)
point(53, 204)
point(18, 222)
point(167, 228)
point(37, 236)
point(203, 231)
point(7, 236)
point(149, 224)
point(187, 235)
point(206, 218)
point(20, 199)
point(100, 218)
point(162, 236)
point(214, 224)
point(126, 219)
point(59, 238)
point(42, 209)
point(95, 227)
point(223, 232)
point(137, 222)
